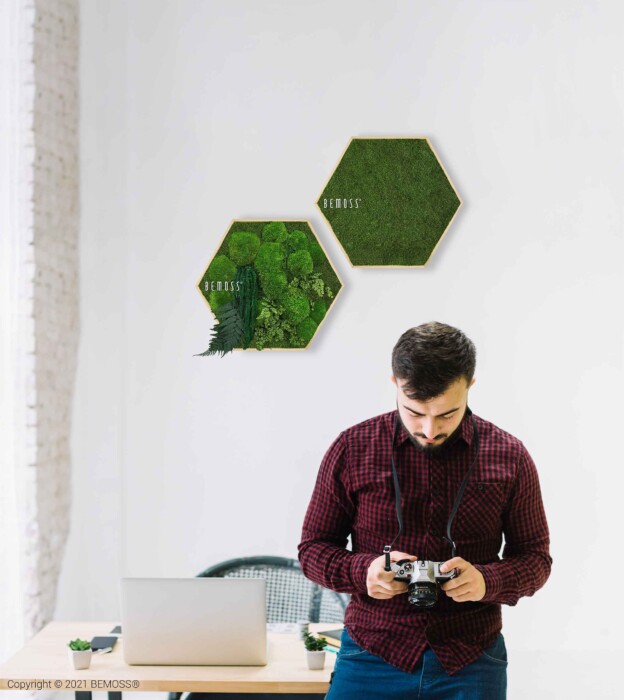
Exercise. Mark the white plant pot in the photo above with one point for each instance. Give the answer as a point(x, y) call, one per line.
point(80, 659)
point(316, 660)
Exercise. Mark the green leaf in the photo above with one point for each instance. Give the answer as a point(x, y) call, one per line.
point(226, 334)
point(79, 645)
point(313, 643)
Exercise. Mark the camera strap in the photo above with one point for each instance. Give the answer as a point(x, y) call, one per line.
point(397, 497)
point(397, 493)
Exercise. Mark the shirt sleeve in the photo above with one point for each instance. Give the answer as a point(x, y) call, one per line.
point(526, 561)
point(323, 551)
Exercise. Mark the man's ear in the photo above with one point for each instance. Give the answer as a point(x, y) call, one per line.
point(394, 380)
point(472, 382)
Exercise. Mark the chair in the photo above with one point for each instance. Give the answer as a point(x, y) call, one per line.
point(290, 597)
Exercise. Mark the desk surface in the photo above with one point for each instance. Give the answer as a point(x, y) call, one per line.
point(44, 658)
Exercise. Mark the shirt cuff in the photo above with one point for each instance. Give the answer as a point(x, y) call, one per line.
point(359, 570)
point(493, 582)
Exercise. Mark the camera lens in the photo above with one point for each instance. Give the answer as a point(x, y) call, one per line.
point(422, 594)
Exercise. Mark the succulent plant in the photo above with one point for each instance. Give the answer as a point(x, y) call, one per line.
point(79, 645)
point(313, 643)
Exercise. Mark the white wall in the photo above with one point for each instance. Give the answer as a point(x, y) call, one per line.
point(194, 113)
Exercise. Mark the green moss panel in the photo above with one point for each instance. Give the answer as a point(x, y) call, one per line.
point(389, 201)
point(278, 276)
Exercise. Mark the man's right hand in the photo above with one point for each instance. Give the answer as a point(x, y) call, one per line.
point(380, 583)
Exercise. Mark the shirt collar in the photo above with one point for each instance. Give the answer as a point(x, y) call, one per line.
point(466, 431)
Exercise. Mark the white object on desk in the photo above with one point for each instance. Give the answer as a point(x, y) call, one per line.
point(194, 621)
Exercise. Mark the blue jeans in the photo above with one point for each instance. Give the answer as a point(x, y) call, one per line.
point(359, 674)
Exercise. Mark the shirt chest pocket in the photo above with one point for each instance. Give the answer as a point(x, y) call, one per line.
point(480, 513)
point(375, 511)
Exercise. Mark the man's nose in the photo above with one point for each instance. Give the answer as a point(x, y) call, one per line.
point(429, 429)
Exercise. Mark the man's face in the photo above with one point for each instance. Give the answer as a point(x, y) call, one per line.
point(432, 422)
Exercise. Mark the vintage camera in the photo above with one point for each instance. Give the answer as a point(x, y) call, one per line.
point(423, 578)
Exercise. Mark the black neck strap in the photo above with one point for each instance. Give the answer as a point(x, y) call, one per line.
point(458, 497)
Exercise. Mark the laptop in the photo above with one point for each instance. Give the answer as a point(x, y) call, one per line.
point(194, 621)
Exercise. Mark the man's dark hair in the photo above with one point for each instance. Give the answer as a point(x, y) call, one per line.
point(431, 357)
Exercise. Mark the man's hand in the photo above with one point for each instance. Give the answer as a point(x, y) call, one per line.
point(469, 585)
point(381, 583)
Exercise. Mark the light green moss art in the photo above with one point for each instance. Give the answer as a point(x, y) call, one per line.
point(269, 285)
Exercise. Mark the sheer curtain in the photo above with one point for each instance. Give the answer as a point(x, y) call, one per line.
point(13, 127)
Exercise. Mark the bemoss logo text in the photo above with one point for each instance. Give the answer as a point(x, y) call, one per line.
point(219, 286)
point(342, 203)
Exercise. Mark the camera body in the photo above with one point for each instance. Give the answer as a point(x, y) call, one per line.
point(423, 578)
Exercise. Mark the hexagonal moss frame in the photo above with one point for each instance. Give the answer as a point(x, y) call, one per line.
point(280, 279)
point(389, 201)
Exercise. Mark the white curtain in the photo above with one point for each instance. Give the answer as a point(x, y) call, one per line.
point(12, 308)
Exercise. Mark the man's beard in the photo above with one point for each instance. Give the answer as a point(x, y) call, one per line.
point(434, 449)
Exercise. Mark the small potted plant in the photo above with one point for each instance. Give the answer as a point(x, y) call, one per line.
point(315, 651)
point(80, 653)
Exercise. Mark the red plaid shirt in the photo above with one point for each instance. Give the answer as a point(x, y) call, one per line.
point(354, 495)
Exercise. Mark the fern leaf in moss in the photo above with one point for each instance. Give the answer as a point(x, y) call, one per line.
point(226, 334)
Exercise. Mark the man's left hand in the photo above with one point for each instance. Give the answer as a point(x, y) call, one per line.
point(468, 586)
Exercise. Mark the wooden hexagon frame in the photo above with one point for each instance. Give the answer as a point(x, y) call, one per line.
point(437, 157)
point(266, 221)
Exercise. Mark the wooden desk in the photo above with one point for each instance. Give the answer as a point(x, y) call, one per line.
point(44, 660)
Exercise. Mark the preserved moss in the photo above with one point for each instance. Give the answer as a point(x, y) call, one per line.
point(296, 305)
point(275, 232)
point(269, 259)
point(300, 263)
point(289, 282)
point(319, 309)
point(243, 247)
point(318, 256)
point(273, 284)
point(219, 299)
point(221, 269)
point(306, 330)
point(297, 240)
